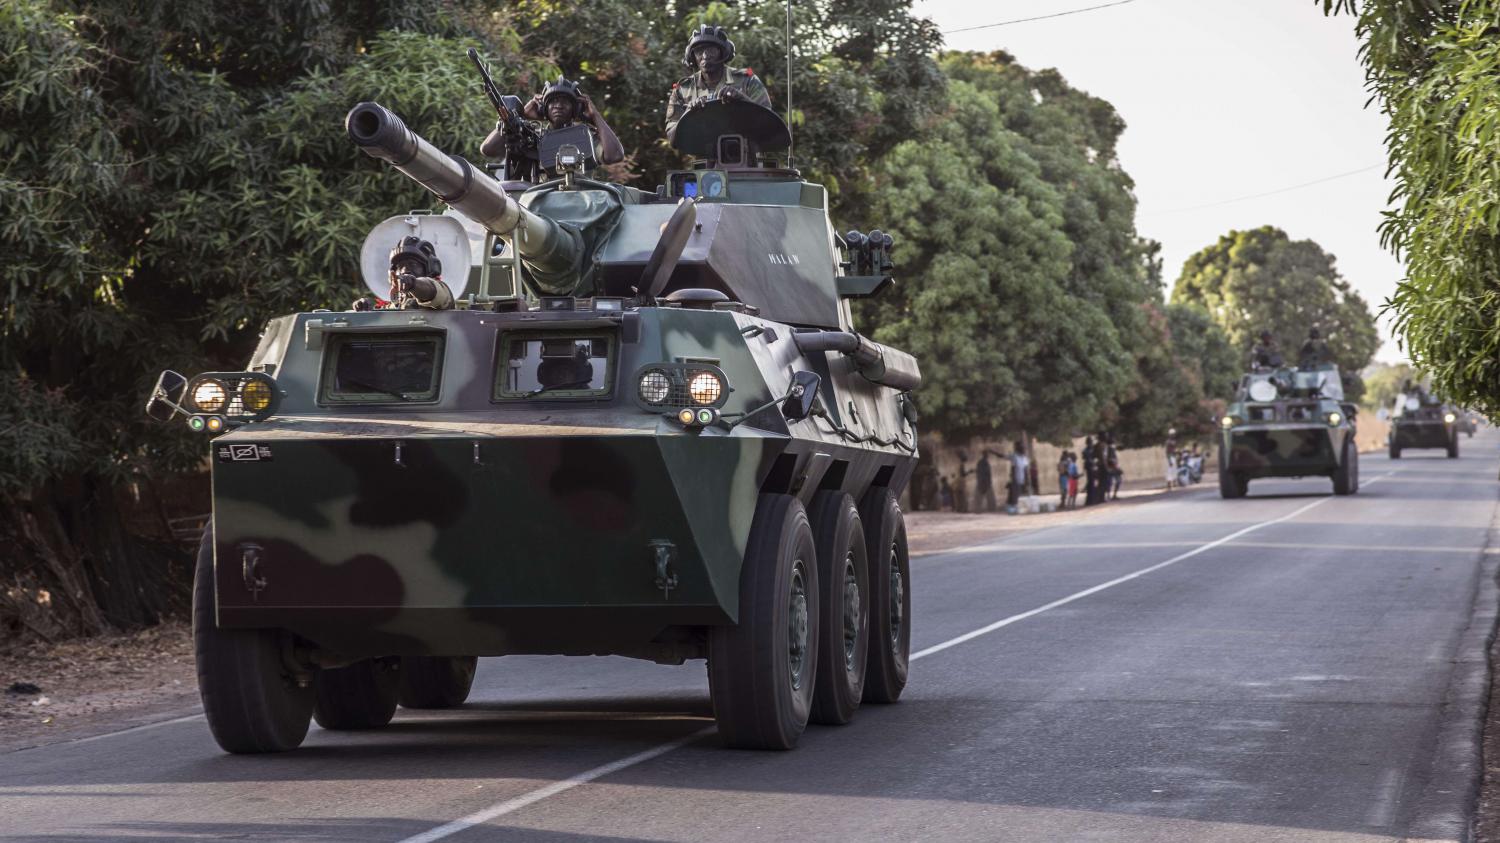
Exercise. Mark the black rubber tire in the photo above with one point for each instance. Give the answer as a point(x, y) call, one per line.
point(436, 681)
point(844, 616)
point(251, 701)
point(890, 596)
point(1453, 447)
point(1346, 476)
point(1394, 450)
point(757, 703)
point(1232, 484)
point(359, 696)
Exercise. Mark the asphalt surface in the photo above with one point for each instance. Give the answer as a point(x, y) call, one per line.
point(1285, 667)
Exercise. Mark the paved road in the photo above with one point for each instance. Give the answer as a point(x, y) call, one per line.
point(1273, 668)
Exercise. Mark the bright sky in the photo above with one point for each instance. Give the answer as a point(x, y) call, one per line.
point(1223, 100)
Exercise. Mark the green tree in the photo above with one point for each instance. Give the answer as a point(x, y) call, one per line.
point(1434, 68)
point(1250, 281)
point(173, 174)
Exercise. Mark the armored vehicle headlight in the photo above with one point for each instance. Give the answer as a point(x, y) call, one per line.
point(209, 396)
point(705, 387)
point(1450, 418)
point(255, 395)
point(687, 416)
point(655, 386)
point(1334, 418)
point(1226, 422)
point(215, 424)
point(195, 424)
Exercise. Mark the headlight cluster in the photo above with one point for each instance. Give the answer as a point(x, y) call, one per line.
point(1334, 418)
point(1450, 418)
point(667, 387)
point(218, 401)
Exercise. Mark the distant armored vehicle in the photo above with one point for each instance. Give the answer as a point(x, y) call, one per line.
point(647, 429)
point(1289, 423)
point(1418, 420)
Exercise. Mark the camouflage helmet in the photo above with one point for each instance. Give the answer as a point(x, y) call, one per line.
point(709, 34)
point(562, 87)
point(420, 251)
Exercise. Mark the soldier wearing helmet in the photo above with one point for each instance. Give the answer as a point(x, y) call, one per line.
point(1314, 351)
point(708, 53)
point(417, 276)
point(1265, 354)
point(562, 104)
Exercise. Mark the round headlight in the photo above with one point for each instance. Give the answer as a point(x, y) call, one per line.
point(686, 416)
point(654, 387)
point(255, 395)
point(209, 396)
point(1450, 418)
point(1226, 422)
point(1334, 419)
point(705, 388)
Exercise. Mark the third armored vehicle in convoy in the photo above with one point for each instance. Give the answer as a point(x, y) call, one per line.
point(1419, 420)
point(1287, 422)
point(648, 428)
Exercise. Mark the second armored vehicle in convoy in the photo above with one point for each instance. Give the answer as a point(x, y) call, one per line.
point(648, 428)
point(1419, 420)
point(1287, 422)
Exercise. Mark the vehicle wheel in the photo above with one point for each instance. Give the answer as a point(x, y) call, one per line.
point(762, 670)
point(1453, 447)
point(359, 696)
point(1394, 450)
point(890, 596)
point(844, 627)
point(251, 700)
point(1346, 476)
point(436, 681)
point(1232, 484)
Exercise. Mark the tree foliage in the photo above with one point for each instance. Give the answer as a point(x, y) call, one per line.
point(1262, 280)
point(1434, 68)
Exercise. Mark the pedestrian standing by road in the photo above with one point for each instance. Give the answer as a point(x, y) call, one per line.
point(945, 495)
point(1062, 480)
point(1020, 474)
point(984, 484)
point(1073, 472)
point(1171, 468)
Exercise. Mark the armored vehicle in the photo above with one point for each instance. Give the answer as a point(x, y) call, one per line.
point(648, 429)
point(1419, 420)
point(1287, 422)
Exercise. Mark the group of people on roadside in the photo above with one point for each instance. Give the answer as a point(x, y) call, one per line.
point(1184, 464)
point(952, 491)
point(1097, 467)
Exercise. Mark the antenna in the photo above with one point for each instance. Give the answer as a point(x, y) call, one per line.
point(789, 146)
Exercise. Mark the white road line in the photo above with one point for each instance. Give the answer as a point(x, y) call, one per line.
point(553, 789)
point(532, 797)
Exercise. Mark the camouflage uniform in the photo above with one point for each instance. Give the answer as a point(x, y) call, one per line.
point(693, 90)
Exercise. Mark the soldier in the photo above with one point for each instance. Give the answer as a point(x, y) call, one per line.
point(417, 276)
point(1314, 351)
point(708, 52)
point(560, 104)
point(1264, 355)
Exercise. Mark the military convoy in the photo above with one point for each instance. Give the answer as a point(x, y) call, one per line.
point(1289, 422)
point(1420, 420)
point(648, 428)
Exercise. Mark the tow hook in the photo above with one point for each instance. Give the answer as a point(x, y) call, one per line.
point(664, 552)
point(250, 569)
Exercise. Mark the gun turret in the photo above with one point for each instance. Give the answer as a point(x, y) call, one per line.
point(549, 249)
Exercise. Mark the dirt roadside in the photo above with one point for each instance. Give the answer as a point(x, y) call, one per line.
point(92, 686)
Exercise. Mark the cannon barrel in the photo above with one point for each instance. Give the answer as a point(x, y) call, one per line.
point(541, 243)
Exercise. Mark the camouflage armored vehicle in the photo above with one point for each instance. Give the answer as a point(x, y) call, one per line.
point(1419, 420)
point(1287, 422)
point(648, 429)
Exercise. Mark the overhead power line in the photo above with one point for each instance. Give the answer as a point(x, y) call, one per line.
point(1287, 189)
point(1038, 17)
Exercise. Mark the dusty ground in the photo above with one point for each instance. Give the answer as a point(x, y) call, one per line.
point(97, 685)
point(93, 685)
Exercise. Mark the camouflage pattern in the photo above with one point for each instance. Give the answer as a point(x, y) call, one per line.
point(471, 523)
point(1425, 426)
point(694, 89)
point(1290, 434)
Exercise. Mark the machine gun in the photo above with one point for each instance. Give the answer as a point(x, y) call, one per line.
point(521, 140)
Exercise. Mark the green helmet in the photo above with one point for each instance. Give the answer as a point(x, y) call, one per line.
point(708, 34)
point(563, 87)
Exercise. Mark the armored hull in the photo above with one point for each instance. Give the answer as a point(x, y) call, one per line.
point(1288, 423)
point(1423, 424)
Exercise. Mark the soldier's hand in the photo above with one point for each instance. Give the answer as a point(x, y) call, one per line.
point(585, 107)
point(730, 94)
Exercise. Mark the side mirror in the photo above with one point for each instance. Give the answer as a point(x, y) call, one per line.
point(909, 409)
point(166, 397)
point(799, 399)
